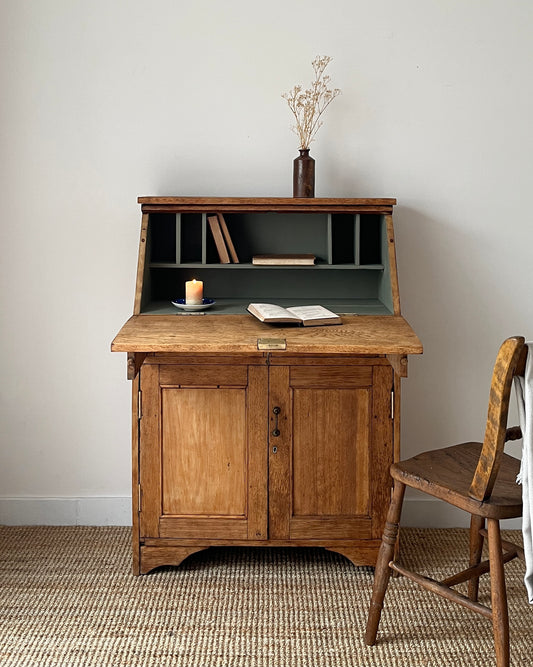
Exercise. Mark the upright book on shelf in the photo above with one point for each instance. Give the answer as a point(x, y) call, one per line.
point(219, 240)
point(229, 242)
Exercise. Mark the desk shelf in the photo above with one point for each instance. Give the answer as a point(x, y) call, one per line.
point(352, 241)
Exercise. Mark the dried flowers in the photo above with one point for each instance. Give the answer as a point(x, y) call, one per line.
point(309, 105)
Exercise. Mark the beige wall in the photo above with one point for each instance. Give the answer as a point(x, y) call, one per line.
point(103, 101)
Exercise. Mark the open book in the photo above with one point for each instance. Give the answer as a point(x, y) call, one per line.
point(308, 316)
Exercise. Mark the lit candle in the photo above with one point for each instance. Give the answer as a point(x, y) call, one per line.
point(194, 292)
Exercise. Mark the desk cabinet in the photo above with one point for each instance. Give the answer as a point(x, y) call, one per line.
point(234, 444)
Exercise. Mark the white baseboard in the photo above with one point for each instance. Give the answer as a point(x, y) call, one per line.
point(46, 511)
point(116, 511)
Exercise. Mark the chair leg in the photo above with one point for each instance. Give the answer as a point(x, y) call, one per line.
point(385, 555)
point(477, 523)
point(500, 617)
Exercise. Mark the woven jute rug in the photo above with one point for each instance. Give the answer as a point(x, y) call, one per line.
point(67, 597)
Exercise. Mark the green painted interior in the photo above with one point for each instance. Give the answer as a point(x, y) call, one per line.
point(352, 272)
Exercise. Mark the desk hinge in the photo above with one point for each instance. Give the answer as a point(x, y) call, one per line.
point(139, 404)
point(392, 403)
point(140, 498)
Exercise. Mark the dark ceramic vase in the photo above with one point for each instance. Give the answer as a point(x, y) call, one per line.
point(303, 175)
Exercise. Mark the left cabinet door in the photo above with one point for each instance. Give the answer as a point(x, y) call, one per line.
point(203, 465)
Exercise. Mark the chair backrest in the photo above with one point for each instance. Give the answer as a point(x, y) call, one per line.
point(511, 361)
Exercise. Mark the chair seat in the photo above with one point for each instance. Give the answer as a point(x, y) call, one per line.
point(447, 474)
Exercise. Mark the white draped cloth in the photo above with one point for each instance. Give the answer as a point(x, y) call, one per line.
point(524, 394)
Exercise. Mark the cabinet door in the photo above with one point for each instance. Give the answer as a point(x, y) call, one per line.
point(329, 464)
point(203, 451)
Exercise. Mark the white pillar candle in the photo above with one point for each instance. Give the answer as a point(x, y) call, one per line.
point(194, 292)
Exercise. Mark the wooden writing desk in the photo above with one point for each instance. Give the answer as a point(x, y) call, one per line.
point(242, 441)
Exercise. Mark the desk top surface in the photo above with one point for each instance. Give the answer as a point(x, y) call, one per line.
point(273, 204)
point(358, 334)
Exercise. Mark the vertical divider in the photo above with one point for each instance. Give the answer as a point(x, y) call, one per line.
point(204, 238)
point(178, 238)
point(357, 240)
point(330, 238)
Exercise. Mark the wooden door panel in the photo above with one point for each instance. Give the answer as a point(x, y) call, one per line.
point(382, 448)
point(231, 528)
point(330, 452)
point(149, 453)
point(204, 452)
point(330, 528)
point(279, 454)
point(331, 376)
point(201, 376)
point(334, 447)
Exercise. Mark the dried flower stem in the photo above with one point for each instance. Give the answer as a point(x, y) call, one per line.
point(309, 105)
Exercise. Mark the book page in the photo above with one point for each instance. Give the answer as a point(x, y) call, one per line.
point(271, 311)
point(311, 312)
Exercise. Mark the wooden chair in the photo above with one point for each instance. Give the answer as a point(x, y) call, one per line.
point(480, 479)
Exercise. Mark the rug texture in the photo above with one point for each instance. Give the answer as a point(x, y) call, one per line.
point(68, 598)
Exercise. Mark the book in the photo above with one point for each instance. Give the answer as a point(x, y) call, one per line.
point(227, 236)
point(307, 316)
point(219, 240)
point(283, 259)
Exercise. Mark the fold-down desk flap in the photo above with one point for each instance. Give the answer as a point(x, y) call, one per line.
point(358, 334)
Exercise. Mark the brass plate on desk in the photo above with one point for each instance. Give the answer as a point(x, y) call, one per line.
point(271, 344)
